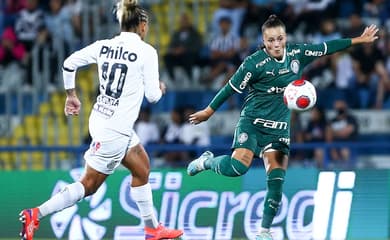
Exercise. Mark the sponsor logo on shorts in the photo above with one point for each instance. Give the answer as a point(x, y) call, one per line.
point(285, 140)
point(112, 164)
point(243, 137)
point(270, 124)
point(95, 147)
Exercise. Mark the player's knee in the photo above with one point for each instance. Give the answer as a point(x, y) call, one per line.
point(238, 167)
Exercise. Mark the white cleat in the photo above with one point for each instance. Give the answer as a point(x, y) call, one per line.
point(197, 165)
point(264, 236)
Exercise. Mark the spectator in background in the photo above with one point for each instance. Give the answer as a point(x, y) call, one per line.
point(321, 72)
point(146, 129)
point(377, 9)
point(344, 9)
point(75, 7)
point(184, 48)
point(235, 10)
point(328, 31)
point(171, 135)
point(308, 13)
point(370, 75)
point(315, 132)
point(342, 128)
point(355, 25)
point(180, 131)
point(30, 30)
point(343, 70)
point(59, 24)
point(12, 57)
point(191, 134)
point(29, 24)
point(10, 9)
point(224, 54)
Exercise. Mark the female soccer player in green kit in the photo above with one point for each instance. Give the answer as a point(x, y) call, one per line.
point(263, 128)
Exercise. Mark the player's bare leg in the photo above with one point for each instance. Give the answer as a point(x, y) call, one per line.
point(137, 161)
point(89, 184)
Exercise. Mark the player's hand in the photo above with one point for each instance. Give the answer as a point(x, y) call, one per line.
point(72, 105)
point(163, 87)
point(201, 116)
point(369, 34)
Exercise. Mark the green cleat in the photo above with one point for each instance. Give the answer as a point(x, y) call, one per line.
point(264, 236)
point(197, 165)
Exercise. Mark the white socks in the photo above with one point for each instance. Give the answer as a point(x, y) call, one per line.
point(72, 193)
point(142, 195)
point(66, 198)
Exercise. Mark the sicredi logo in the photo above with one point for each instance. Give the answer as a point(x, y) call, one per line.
point(304, 214)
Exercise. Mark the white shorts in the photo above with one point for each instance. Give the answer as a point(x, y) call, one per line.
point(106, 155)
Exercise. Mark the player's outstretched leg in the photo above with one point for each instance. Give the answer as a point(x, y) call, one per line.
point(197, 165)
point(30, 223)
point(264, 236)
point(161, 232)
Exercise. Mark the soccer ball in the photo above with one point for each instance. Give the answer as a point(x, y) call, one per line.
point(300, 95)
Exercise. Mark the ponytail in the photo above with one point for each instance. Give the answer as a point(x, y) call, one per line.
point(130, 14)
point(271, 22)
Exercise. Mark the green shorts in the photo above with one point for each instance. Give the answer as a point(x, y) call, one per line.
point(259, 139)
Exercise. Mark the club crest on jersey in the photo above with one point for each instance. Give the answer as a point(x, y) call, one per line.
point(295, 66)
point(243, 137)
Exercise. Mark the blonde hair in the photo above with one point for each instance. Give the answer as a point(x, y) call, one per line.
point(130, 14)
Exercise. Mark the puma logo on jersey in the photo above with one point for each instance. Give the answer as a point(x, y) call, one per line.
point(270, 72)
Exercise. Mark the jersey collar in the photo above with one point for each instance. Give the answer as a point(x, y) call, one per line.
point(129, 34)
point(276, 60)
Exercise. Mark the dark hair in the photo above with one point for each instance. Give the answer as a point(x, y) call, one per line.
point(130, 14)
point(271, 22)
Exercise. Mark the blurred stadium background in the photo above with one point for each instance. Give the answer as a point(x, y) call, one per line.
point(41, 149)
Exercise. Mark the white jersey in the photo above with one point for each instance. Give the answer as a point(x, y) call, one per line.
point(128, 71)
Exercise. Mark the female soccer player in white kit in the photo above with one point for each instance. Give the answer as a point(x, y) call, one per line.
point(128, 71)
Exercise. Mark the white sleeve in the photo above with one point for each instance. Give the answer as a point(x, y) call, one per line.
point(85, 56)
point(151, 78)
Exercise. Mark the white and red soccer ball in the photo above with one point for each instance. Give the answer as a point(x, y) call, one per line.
point(300, 95)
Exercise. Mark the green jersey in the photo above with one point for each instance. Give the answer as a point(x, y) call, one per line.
point(266, 78)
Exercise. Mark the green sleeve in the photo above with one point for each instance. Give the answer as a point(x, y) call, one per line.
point(310, 52)
point(338, 45)
point(221, 97)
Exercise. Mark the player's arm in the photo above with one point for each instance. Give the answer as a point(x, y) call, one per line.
point(153, 87)
point(313, 51)
point(78, 59)
point(218, 100)
point(236, 84)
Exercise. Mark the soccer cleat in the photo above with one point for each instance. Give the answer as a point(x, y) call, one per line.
point(197, 165)
point(30, 223)
point(161, 232)
point(264, 236)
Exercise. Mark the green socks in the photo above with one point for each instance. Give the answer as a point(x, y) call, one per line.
point(274, 196)
point(226, 165)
